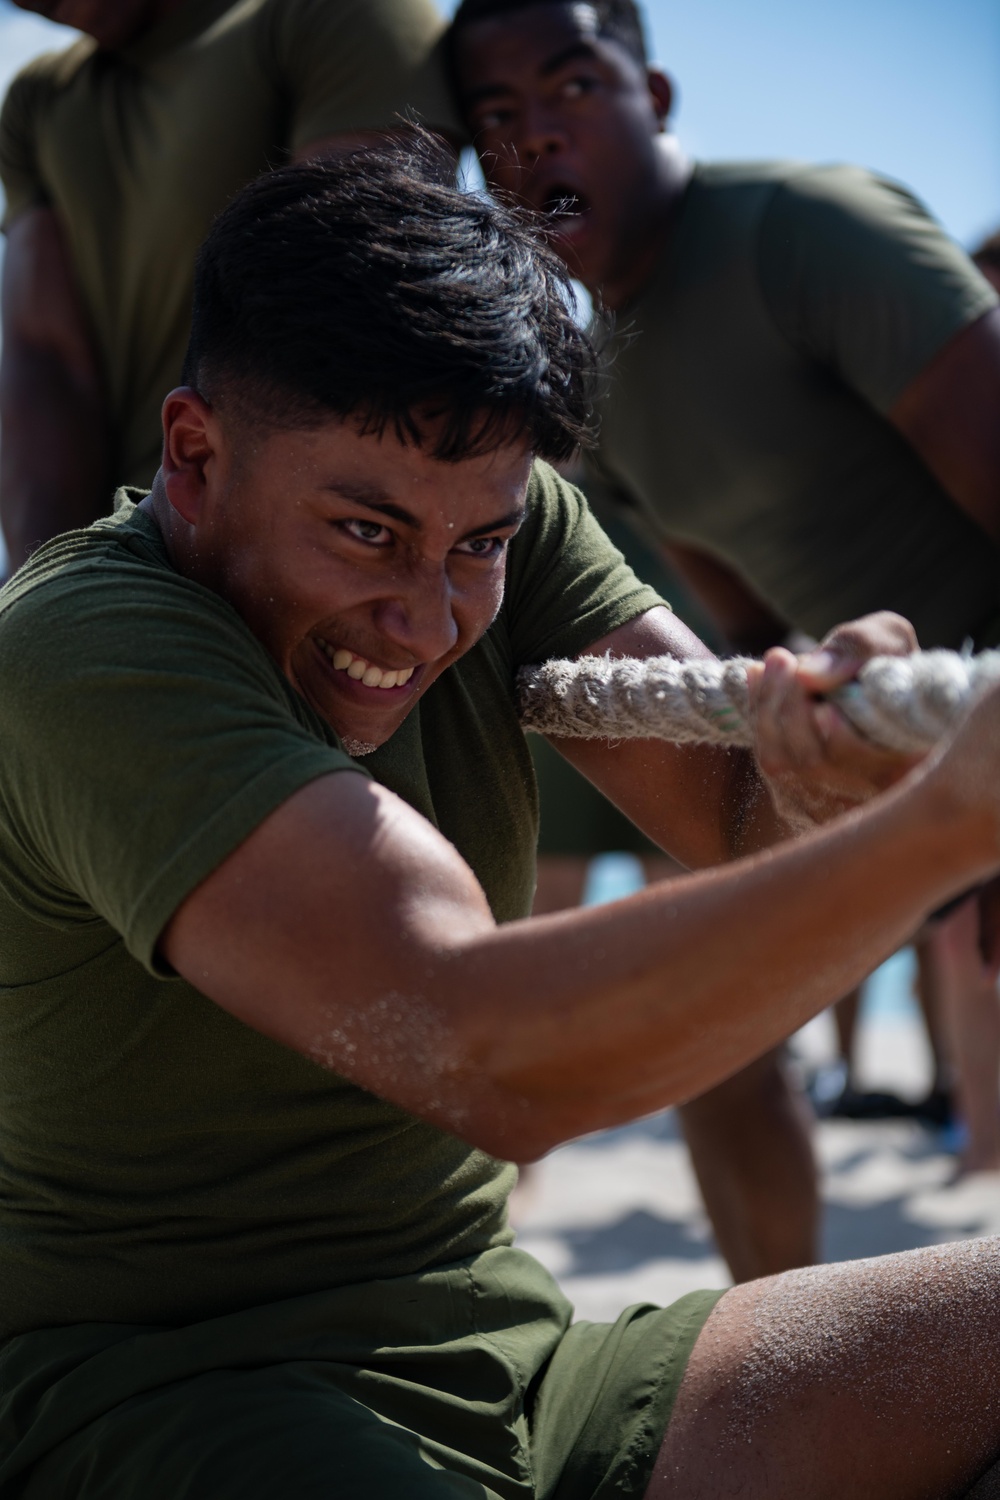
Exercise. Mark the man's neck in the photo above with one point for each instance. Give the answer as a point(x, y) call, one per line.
point(646, 241)
point(158, 508)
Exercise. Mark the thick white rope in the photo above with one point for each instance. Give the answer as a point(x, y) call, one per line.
point(901, 702)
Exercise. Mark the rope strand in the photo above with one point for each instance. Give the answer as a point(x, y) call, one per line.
point(903, 703)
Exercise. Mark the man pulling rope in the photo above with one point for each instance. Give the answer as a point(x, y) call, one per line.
point(272, 1027)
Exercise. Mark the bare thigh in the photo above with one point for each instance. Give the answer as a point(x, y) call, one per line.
point(874, 1379)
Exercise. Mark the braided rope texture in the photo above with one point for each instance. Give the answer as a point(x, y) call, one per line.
point(903, 703)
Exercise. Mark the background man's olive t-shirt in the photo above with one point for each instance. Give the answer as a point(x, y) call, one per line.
point(138, 150)
point(160, 1162)
point(749, 385)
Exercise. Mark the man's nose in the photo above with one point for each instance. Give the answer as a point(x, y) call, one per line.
point(419, 615)
point(542, 136)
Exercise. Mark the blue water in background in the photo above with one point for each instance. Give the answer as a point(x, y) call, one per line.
point(888, 994)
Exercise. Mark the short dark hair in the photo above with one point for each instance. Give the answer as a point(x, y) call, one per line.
point(618, 20)
point(365, 286)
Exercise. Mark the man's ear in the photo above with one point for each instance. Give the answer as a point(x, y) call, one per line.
point(191, 449)
point(662, 90)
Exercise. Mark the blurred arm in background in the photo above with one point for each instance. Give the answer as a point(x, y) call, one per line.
point(55, 457)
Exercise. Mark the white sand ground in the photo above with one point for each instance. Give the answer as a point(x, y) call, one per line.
point(617, 1218)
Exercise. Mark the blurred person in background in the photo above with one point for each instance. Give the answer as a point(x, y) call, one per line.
point(987, 258)
point(801, 411)
point(115, 156)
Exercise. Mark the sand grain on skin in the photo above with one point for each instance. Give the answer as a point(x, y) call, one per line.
point(890, 1332)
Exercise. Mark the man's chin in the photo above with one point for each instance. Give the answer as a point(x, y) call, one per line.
point(357, 748)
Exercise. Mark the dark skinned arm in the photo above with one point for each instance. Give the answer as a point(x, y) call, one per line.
point(950, 414)
point(746, 623)
point(347, 928)
point(54, 456)
point(704, 805)
point(522, 1036)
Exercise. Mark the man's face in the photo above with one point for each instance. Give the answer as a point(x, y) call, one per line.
point(363, 565)
point(111, 23)
point(563, 118)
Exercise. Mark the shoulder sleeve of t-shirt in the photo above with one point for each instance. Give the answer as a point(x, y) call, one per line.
point(858, 275)
point(567, 584)
point(20, 173)
point(351, 65)
point(146, 735)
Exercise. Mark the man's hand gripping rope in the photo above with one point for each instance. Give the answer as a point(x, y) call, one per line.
point(901, 703)
point(879, 706)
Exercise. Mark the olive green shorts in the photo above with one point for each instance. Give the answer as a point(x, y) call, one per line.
point(465, 1381)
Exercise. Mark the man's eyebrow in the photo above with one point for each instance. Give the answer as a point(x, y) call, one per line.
point(549, 66)
point(372, 497)
point(568, 54)
point(485, 91)
point(512, 518)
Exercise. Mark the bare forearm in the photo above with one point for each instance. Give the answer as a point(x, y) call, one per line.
point(646, 1003)
point(948, 415)
point(54, 454)
point(703, 806)
point(748, 625)
point(522, 1036)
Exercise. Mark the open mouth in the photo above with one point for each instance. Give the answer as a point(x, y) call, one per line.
point(562, 203)
point(359, 669)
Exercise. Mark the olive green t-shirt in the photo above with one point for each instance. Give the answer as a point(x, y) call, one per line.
point(749, 385)
point(160, 1162)
point(138, 150)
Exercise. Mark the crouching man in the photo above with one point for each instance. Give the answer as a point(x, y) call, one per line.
point(270, 1025)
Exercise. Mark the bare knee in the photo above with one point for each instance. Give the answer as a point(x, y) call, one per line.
point(872, 1378)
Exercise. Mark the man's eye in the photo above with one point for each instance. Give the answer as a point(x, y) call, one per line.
point(491, 119)
point(575, 88)
point(482, 546)
point(372, 532)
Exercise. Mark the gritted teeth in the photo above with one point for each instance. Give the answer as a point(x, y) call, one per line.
point(364, 671)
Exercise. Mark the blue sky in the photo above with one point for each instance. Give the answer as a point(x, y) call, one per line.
point(911, 87)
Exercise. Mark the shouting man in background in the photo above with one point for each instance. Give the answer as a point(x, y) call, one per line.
point(801, 407)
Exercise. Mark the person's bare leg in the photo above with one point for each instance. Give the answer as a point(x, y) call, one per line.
point(874, 1379)
point(751, 1148)
point(971, 1014)
point(845, 1018)
point(927, 990)
point(750, 1142)
point(749, 1139)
